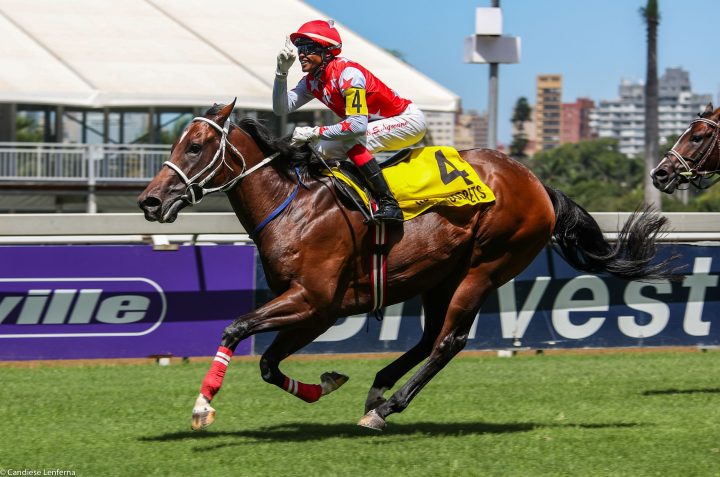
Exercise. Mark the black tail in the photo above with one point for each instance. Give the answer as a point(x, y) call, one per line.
point(580, 241)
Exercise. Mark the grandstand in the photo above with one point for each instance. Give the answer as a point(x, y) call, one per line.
point(92, 91)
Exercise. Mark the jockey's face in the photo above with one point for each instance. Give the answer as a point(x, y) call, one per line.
point(310, 55)
point(310, 63)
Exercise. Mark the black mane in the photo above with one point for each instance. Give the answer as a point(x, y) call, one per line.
point(294, 156)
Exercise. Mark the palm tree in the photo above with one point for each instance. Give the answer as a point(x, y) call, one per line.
point(651, 14)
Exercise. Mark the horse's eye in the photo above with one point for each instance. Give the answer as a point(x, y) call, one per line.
point(194, 148)
point(696, 138)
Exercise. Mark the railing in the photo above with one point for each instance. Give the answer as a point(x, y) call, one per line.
point(87, 163)
point(224, 227)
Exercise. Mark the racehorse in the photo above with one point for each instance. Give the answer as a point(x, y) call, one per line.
point(316, 252)
point(695, 157)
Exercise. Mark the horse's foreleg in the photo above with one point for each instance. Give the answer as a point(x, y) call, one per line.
point(435, 303)
point(286, 343)
point(288, 309)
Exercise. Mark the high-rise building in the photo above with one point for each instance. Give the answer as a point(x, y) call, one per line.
point(624, 118)
point(440, 128)
point(575, 121)
point(471, 130)
point(547, 110)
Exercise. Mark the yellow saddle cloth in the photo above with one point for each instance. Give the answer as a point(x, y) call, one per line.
point(430, 176)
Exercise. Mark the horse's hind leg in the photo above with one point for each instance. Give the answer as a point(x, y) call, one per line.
point(451, 340)
point(435, 304)
point(286, 343)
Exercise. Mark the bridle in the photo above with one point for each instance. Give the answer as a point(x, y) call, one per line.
point(700, 179)
point(195, 191)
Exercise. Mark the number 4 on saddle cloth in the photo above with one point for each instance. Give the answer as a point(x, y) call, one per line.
point(420, 179)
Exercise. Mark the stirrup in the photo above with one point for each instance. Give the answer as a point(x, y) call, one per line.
point(389, 213)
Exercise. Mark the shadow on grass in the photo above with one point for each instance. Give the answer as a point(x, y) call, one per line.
point(660, 392)
point(301, 432)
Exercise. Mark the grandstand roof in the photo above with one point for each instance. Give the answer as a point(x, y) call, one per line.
point(109, 53)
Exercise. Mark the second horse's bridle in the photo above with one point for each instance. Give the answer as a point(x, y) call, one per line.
point(700, 179)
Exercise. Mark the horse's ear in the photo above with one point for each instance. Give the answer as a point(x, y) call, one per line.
point(708, 110)
point(224, 113)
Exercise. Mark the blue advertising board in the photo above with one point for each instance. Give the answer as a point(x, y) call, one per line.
point(552, 305)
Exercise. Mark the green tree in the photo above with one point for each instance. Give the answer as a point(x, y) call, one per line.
point(27, 129)
point(600, 178)
point(397, 54)
point(521, 114)
point(593, 173)
point(170, 135)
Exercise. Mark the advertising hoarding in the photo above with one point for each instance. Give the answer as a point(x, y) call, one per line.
point(72, 302)
point(552, 305)
point(77, 302)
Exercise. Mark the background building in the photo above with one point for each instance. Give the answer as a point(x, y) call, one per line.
point(624, 118)
point(471, 130)
point(441, 128)
point(548, 102)
point(575, 121)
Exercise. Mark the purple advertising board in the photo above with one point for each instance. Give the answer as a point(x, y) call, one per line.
point(72, 302)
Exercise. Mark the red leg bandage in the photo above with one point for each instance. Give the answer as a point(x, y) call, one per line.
point(359, 155)
point(306, 392)
point(214, 377)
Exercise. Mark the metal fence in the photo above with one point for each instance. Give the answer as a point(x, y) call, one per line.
point(90, 163)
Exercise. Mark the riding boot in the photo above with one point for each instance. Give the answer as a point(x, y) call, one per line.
point(388, 208)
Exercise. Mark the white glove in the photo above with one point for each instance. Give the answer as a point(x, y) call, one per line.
point(304, 134)
point(285, 58)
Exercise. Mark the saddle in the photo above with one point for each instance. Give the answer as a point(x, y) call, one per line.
point(357, 195)
point(420, 179)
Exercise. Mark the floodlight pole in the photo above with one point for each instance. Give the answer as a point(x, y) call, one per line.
point(493, 98)
point(489, 46)
point(493, 106)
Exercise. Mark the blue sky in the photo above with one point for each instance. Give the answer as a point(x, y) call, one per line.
point(592, 44)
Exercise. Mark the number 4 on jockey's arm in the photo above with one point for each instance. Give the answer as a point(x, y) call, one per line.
point(374, 117)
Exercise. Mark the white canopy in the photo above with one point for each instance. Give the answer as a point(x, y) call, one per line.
point(109, 53)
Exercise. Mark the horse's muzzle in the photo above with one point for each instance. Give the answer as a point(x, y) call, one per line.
point(664, 180)
point(156, 210)
point(151, 207)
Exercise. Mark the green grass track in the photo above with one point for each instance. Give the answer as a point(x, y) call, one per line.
point(621, 414)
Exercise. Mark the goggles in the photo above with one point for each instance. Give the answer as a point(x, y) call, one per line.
point(309, 48)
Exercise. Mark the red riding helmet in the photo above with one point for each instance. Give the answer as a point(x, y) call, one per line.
point(322, 32)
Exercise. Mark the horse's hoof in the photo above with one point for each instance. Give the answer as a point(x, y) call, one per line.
point(332, 380)
point(372, 405)
point(372, 420)
point(203, 414)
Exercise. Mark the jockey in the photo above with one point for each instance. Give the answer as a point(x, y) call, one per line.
point(374, 117)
